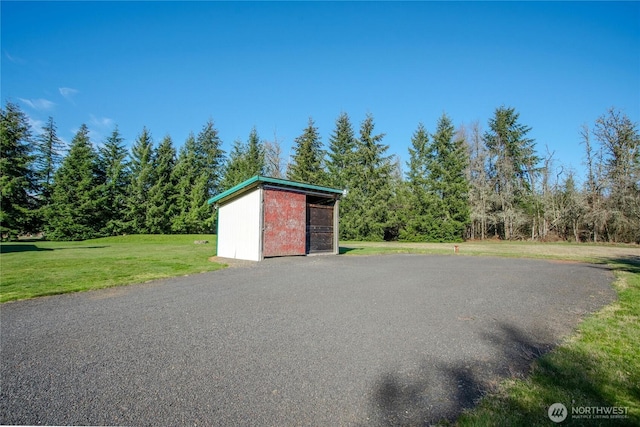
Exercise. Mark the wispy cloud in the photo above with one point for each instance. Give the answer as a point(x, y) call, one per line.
point(14, 59)
point(68, 93)
point(35, 124)
point(98, 127)
point(102, 122)
point(38, 104)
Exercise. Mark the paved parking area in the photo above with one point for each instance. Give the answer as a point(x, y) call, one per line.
point(325, 340)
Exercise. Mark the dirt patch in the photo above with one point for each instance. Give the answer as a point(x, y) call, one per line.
point(232, 262)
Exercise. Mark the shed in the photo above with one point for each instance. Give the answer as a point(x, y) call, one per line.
point(269, 217)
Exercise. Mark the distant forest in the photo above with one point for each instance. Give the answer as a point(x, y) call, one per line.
point(459, 183)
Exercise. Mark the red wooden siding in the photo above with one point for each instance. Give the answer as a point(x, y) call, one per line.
point(284, 223)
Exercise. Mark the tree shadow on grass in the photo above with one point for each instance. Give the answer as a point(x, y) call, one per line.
point(10, 248)
point(440, 391)
point(345, 249)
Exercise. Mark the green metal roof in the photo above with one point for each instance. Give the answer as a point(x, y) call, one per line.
point(256, 180)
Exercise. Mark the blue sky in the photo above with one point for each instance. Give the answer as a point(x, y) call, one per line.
point(171, 66)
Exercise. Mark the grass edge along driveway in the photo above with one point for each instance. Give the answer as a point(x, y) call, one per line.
point(30, 269)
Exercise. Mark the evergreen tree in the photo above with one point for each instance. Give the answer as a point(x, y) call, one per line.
point(74, 213)
point(255, 162)
point(245, 161)
point(419, 223)
point(185, 175)
point(235, 170)
point(142, 179)
point(210, 157)
point(512, 162)
point(17, 180)
point(342, 144)
point(308, 160)
point(365, 209)
point(114, 172)
point(49, 155)
point(162, 194)
point(448, 160)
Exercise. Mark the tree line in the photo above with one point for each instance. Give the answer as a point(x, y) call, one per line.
point(460, 183)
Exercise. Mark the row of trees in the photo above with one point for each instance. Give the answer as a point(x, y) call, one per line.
point(459, 183)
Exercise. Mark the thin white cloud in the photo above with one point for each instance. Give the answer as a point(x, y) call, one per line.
point(68, 93)
point(40, 104)
point(14, 59)
point(102, 122)
point(35, 124)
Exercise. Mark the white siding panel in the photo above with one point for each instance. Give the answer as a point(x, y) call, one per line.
point(239, 227)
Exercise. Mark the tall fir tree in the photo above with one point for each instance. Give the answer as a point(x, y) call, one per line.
point(245, 161)
point(210, 157)
point(340, 163)
point(512, 166)
point(74, 213)
point(142, 179)
point(49, 154)
point(255, 161)
point(185, 174)
point(447, 181)
point(162, 193)
point(17, 179)
point(419, 222)
point(308, 161)
point(115, 180)
point(365, 209)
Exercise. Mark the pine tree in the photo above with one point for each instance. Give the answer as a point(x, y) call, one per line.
point(49, 150)
point(74, 213)
point(255, 162)
point(512, 162)
point(308, 160)
point(114, 174)
point(365, 211)
point(235, 170)
point(342, 144)
point(419, 222)
point(162, 194)
point(17, 179)
point(448, 183)
point(185, 175)
point(245, 161)
point(141, 173)
point(210, 157)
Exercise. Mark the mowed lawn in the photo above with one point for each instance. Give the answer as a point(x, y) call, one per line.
point(38, 268)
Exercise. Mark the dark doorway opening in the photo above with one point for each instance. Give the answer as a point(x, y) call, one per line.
point(319, 224)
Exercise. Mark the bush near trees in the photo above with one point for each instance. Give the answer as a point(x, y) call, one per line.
point(462, 183)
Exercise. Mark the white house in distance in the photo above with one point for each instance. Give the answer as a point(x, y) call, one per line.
point(268, 217)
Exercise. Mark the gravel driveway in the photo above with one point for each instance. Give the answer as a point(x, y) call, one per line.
point(325, 340)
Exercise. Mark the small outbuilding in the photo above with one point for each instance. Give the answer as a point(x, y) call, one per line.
point(269, 217)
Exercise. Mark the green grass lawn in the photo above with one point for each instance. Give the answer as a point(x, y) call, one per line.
point(37, 268)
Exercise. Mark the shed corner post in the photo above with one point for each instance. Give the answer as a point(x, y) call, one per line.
point(261, 225)
point(336, 227)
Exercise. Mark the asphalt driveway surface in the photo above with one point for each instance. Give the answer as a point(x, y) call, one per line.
point(326, 340)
